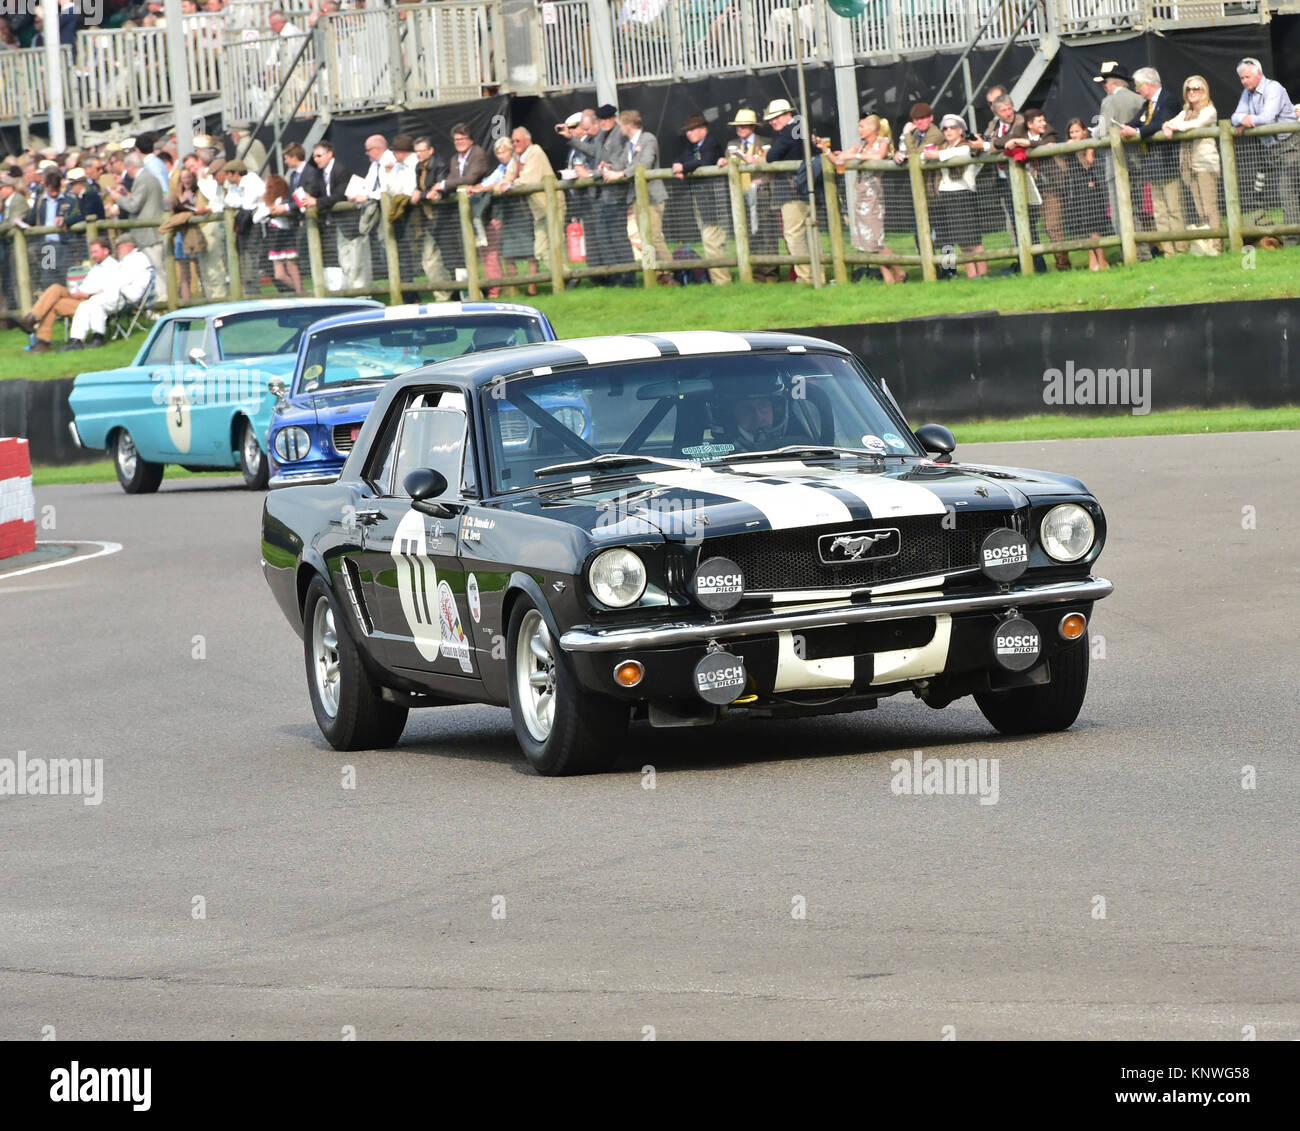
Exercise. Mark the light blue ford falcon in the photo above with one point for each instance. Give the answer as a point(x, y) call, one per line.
point(196, 394)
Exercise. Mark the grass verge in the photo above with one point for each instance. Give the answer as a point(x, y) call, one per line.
point(591, 310)
point(976, 432)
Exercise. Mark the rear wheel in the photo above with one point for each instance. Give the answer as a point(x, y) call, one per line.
point(252, 460)
point(562, 728)
point(137, 475)
point(1047, 706)
point(348, 707)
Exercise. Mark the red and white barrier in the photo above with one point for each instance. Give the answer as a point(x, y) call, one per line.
point(17, 502)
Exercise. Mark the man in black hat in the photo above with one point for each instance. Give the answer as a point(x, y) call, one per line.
point(708, 196)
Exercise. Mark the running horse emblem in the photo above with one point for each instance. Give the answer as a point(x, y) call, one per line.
point(855, 547)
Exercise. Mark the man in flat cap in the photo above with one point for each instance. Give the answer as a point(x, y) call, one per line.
point(606, 147)
point(708, 196)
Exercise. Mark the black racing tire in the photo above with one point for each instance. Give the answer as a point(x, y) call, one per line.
point(347, 705)
point(137, 476)
point(253, 464)
point(578, 732)
point(1045, 707)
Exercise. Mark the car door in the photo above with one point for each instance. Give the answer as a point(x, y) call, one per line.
point(160, 414)
point(410, 565)
point(198, 417)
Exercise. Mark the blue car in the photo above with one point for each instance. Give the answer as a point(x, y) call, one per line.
point(196, 394)
point(345, 362)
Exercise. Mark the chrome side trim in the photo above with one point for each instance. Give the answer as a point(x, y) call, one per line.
point(698, 632)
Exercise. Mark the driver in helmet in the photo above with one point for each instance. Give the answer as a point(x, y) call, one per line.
point(753, 415)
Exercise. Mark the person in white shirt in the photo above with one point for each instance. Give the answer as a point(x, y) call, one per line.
point(381, 158)
point(283, 52)
point(101, 298)
point(59, 301)
point(134, 271)
point(397, 176)
point(956, 218)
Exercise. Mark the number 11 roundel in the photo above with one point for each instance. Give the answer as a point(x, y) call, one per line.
point(417, 584)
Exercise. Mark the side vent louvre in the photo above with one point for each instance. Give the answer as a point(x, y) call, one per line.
point(352, 582)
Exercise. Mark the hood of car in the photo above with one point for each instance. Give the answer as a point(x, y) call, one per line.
point(707, 502)
point(330, 406)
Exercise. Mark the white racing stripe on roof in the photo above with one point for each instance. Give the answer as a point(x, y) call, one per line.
point(706, 341)
point(601, 351)
point(784, 505)
point(884, 497)
point(413, 310)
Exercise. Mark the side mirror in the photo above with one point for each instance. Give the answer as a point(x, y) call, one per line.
point(425, 483)
point(199, 357)
point(936, 438)
point(276, 387)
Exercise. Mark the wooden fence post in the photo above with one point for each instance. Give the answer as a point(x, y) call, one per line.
point(391, 252)
point(739, 220)
point(642, 189)
point(555, 232)
point(1020, 215)
point(1123, 198)
point(315, 252)
point(921, 210)
point(234, 269)
point(833, 225)
point(1231, 186)
point(469, 243)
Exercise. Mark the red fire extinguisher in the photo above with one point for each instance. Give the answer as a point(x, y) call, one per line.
point(577, 241)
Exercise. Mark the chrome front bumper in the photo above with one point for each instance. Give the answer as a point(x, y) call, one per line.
point(892, 607)
point(307, 478)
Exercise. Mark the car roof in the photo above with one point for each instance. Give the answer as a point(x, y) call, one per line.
point(574, 353)
point(430, 310)
point(244, 306)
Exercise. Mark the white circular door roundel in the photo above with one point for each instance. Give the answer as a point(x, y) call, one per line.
point(417, 584)
point(178, 417)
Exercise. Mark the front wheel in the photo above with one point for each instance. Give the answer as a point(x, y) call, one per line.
point(348, 707)
point(1046, 707)
point(252, 460)
point(562, 728)
point(137, 475)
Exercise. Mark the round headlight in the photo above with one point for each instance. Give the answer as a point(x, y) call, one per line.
point(1067, 532)
point(571, 418)
point(292, 443)
point(617, 578)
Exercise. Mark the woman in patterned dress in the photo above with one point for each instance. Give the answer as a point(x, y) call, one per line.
point(867, 217)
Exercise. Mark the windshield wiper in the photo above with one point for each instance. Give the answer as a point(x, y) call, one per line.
point(806, 449)
point(615, 459)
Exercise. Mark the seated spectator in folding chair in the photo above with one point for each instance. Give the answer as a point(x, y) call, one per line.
point(137, 284)
point(87, 305)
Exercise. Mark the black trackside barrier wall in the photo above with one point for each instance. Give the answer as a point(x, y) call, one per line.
point(962, 367)
point(991, 365)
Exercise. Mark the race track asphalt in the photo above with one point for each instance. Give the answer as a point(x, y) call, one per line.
point(672, 907)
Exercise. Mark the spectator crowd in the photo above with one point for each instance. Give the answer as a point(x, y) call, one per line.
point(185, 198)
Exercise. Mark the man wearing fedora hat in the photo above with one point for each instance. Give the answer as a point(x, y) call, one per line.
point(747, 148)
point(1120, 104)
point(796, 212)
point(708, 195)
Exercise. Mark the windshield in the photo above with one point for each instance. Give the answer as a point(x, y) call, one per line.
point(376, 351)
point(262, 332)
point(704, 410)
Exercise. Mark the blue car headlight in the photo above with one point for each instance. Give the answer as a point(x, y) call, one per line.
point(572, 418)
point(292, 444)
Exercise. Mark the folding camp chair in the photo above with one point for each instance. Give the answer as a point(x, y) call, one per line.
point(126, 319)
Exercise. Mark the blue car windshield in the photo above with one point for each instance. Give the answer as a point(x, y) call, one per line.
point(262, 332)
point(702, 409)
point(376, 351)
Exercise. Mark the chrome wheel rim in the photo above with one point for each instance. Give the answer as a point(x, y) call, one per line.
point(325, 655)
point(252, 450)
point(126, 455)
point(535, 675)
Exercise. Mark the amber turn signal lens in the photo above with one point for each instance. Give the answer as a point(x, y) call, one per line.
point(1073, 625)
point(629, 673)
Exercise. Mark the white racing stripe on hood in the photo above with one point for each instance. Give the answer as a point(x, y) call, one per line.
point(884, 497)
point(784, 505)
point(601, 351)
point(706, 341)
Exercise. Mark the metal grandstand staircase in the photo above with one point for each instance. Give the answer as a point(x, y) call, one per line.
point(1006, 20)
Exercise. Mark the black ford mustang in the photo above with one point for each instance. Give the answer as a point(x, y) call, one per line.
point(709, 522)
